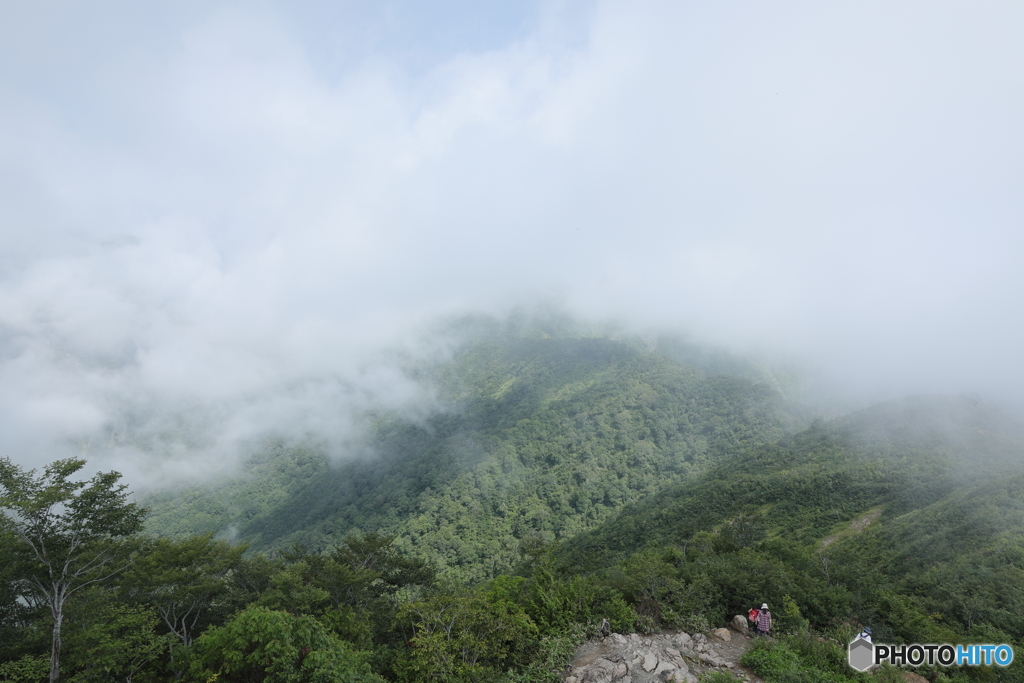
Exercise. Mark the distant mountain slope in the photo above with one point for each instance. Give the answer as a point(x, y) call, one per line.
point(901, 455)
point(545, 439)
point(904, 510)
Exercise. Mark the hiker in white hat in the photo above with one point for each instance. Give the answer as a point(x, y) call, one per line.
point(764, 620)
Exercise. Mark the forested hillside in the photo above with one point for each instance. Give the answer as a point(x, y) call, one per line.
point(896, 457)
point(570, 479)
point(908, 517)
point(544, 437)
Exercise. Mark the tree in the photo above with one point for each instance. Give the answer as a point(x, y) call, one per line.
point(64, 535)
point(259, 644)
point(352, 588)
point(362, 570)
point(460, 638)
point(109, 640)
point(181, 579)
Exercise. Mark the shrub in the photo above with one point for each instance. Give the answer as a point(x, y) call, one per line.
point(277, 647)
point(801, 659)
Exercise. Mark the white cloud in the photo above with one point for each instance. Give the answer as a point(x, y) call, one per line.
point(213, 219)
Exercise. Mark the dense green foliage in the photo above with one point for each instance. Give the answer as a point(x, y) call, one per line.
point(276, 647)
point(543, 438)
point(569, 481)
point(906, 517)
point(925, 510)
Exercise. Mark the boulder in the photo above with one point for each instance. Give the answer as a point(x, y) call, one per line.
point(664, 667)
point(722, 633)
point(602, 671)
point(650, 662)
point(713, 660)
point(675, 656)
point(739, 624)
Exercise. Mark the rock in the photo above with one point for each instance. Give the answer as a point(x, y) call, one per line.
point(654, 658)
point(602, 670)
point(739, 624)
point(663, 667)
point(675, 656)
point(722, 633)
point(712, 660)
point(911, 677)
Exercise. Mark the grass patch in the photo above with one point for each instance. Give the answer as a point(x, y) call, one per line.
point(801, 659)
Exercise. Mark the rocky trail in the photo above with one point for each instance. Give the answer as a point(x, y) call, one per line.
point(671, 656)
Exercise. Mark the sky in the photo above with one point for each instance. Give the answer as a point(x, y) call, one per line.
point(219, 219)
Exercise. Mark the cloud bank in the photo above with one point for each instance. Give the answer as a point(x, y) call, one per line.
point(219, 219)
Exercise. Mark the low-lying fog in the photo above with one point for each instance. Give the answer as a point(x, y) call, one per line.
point(219, 219)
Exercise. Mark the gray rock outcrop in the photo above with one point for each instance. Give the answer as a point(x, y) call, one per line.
point(669, 657)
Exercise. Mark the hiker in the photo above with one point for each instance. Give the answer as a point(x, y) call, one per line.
point(752, 615)
point(764, 620)
point(865, 634)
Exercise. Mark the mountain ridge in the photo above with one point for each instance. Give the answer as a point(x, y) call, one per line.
point(546, 437)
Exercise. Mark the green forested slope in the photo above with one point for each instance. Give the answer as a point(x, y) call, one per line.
point(572, 480)
point(908, 516)
point(545, 438)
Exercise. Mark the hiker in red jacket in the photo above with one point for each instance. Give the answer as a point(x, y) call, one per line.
point(752, 615)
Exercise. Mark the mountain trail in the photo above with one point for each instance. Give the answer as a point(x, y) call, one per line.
point(669, 656)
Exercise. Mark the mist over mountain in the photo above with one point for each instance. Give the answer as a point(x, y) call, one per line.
point(543, 436)
point(570, 476)
point(539, 314)
point(218, 221)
